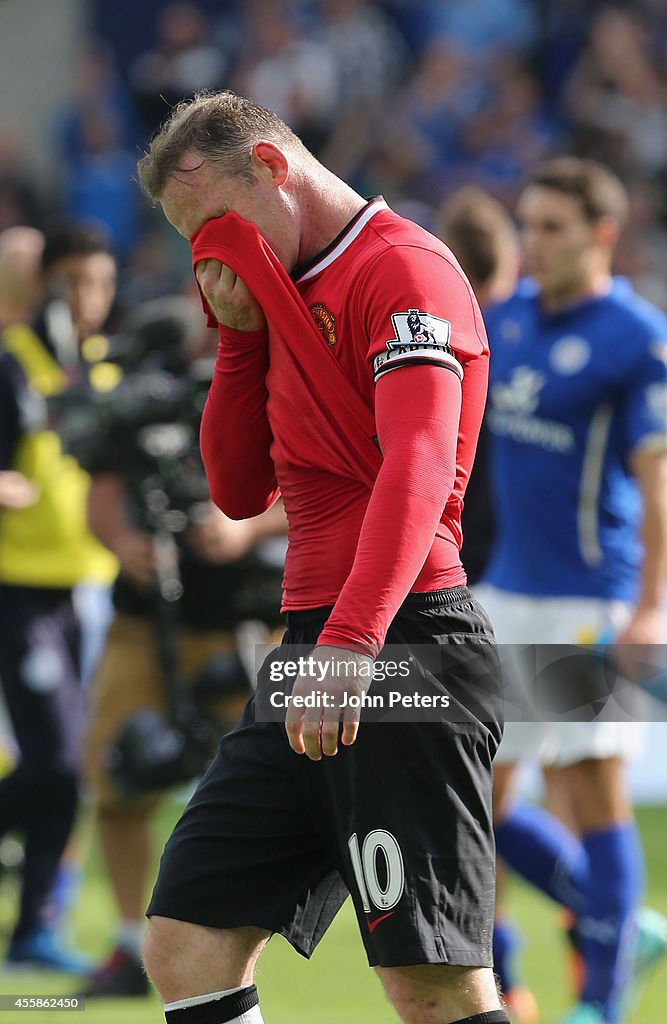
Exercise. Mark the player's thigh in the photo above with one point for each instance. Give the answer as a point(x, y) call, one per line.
point(592, 759)
point(182, 958)
point(597, 791)
point(407, 810)
point(245, 851)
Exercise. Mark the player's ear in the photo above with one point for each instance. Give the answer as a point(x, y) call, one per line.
point(268, 158)
point(607, 231)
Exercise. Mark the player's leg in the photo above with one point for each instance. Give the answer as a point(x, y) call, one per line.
point(244, 861)
point(437, 994)
point(204, 975)
point(40, 674)
point(614, 882)
point(507, 937)
point(557, 796)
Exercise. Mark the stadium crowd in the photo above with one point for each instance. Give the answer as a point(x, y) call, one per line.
point(407, 98)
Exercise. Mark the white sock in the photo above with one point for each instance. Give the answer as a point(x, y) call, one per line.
point(252, 1016)
point(131, 937)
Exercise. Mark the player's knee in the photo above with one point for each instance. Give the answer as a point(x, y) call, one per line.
point(165, 949)
point(433, 993)
point(181, 958)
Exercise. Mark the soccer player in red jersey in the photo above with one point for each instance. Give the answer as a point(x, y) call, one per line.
point(351, 378)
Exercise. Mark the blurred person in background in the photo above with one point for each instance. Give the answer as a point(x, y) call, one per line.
point(487, 30)
point(20, 200)
point(482, 235)
point(228, 574)
point(20, 254)
point(20, 287)
point(370, 59)
point(182, 62)
point(423, 135)
point(100, 187)
point(97, 88)
point(46, 551)
point(616, 98)
point(510, 133)
point(281, 66)
point(578, 423)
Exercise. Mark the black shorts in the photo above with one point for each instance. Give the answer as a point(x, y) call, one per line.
point(401, 819)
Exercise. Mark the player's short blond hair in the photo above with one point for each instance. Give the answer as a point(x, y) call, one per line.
point(222, 127)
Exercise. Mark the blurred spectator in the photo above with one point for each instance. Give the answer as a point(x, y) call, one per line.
point(481, 234)
point(369, 54)
point(20, 202)
point(509, 134)
point(564, 27)
point(148, 273)
point(45, 551)
point(421, 145)
point(97, 91)
point(487, 28)
point(182, 62)
point(642, 256)
point(279, 67)
point(617, 99)
point(20, 253)
point(100, 187)
point(20, 287)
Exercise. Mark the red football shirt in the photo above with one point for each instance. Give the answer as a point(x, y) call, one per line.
point(401, 320)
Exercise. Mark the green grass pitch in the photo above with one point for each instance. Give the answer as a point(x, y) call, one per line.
point(337, 986)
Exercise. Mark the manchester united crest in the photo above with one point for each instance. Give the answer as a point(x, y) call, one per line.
point(325, 322)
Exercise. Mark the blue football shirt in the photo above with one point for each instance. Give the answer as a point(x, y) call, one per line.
point(571, 396)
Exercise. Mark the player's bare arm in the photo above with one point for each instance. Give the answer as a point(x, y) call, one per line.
point(228, 297)
point(647, 624)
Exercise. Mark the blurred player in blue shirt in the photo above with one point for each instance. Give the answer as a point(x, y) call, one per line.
point(578, 423)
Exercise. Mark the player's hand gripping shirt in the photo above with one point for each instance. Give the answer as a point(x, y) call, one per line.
point(401, 323)
point(571, 396)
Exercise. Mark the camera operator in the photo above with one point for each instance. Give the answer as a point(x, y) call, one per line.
point(148, 502)
point(46, 551)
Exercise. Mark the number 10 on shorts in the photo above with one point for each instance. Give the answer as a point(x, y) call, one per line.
point(368, 872)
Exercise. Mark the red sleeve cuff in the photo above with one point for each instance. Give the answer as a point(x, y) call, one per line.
point(231, 338)
point(333, 639)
